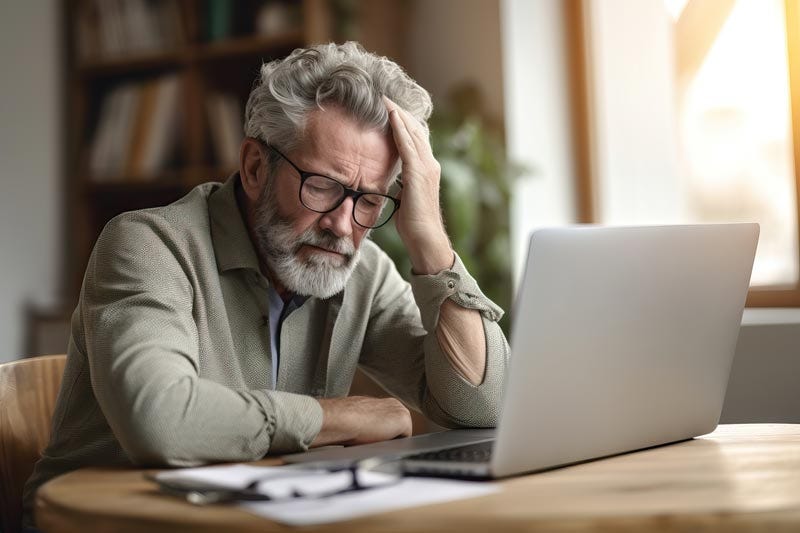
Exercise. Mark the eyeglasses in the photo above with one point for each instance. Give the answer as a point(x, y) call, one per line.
point(322, 194)
point(291, 483)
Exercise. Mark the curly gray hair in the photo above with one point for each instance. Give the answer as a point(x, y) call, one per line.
point(344, 75)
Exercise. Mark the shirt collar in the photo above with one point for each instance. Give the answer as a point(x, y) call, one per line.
point(232, 245)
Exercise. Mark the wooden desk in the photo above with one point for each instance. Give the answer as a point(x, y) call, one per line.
point(739, 478)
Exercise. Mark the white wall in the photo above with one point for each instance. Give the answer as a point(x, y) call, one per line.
point(538, 118)
point(30, 206)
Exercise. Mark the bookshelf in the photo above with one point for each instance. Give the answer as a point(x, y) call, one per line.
point(155, 99)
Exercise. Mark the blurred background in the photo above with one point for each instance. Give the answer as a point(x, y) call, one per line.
point(548, 112)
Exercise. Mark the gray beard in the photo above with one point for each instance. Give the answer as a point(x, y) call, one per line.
point(319, 275)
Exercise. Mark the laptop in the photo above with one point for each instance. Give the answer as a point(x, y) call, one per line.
point(622, 339)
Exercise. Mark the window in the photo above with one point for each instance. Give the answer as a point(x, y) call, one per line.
point(692, 120)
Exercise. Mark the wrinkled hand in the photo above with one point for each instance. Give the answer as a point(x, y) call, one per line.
point(419, 220)
point(361, 420)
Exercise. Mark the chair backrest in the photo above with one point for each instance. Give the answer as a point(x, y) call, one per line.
point(28, 390)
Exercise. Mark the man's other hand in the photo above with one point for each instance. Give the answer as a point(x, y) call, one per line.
point(361, 420)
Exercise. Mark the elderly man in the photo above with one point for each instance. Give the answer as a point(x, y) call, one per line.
point(229, 324)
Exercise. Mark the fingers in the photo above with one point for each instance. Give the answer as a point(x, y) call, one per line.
point(391, 419)
point(402, 138)
point(399, 118)
point(409, 427)
point(400, 417)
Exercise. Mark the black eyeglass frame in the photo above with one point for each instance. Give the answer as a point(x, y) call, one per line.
point(347, 192)
point(202, 494)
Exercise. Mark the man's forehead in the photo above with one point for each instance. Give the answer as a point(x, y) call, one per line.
point(335, 144)
point(371, 175)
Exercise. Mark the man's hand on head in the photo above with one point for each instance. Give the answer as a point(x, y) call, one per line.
point(361, 420)
point(419, 220)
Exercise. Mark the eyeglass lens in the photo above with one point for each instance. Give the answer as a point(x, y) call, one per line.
point(323, 194)
point(314, 485)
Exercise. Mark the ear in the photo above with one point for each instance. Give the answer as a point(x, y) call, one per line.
point(253, 167)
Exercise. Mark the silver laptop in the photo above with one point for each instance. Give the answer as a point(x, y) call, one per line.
point(622, 339)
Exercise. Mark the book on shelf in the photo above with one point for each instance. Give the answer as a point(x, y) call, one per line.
point(137, 131)
point(270, 17)
point(113, 28)
point(219, 19)
point(226, 127)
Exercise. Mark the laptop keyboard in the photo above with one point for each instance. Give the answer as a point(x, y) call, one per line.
point(480, 452)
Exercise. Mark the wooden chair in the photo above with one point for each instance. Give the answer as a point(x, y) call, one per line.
point(28, 390)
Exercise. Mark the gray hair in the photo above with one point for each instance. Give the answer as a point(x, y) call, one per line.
point(343, 75)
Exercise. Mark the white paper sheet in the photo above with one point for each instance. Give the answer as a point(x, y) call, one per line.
point(409, 492)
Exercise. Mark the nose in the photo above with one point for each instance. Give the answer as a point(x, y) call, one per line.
point(340, 220)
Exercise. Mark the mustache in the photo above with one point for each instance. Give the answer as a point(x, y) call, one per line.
point(327, 241)
point(274, 233)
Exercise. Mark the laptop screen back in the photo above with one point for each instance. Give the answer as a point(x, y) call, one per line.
point(622, 338)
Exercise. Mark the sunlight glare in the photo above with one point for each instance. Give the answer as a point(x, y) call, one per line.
point(736, 136)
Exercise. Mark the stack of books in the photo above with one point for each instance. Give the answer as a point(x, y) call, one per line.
point(110, 28)
point(137, 131)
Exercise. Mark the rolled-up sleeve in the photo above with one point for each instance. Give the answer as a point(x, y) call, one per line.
point(405, 356)
point(142, 348)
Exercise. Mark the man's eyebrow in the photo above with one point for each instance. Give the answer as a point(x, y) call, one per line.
point(385, 188)
point(376, 190)
point(337, 171)
point(334, 170)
